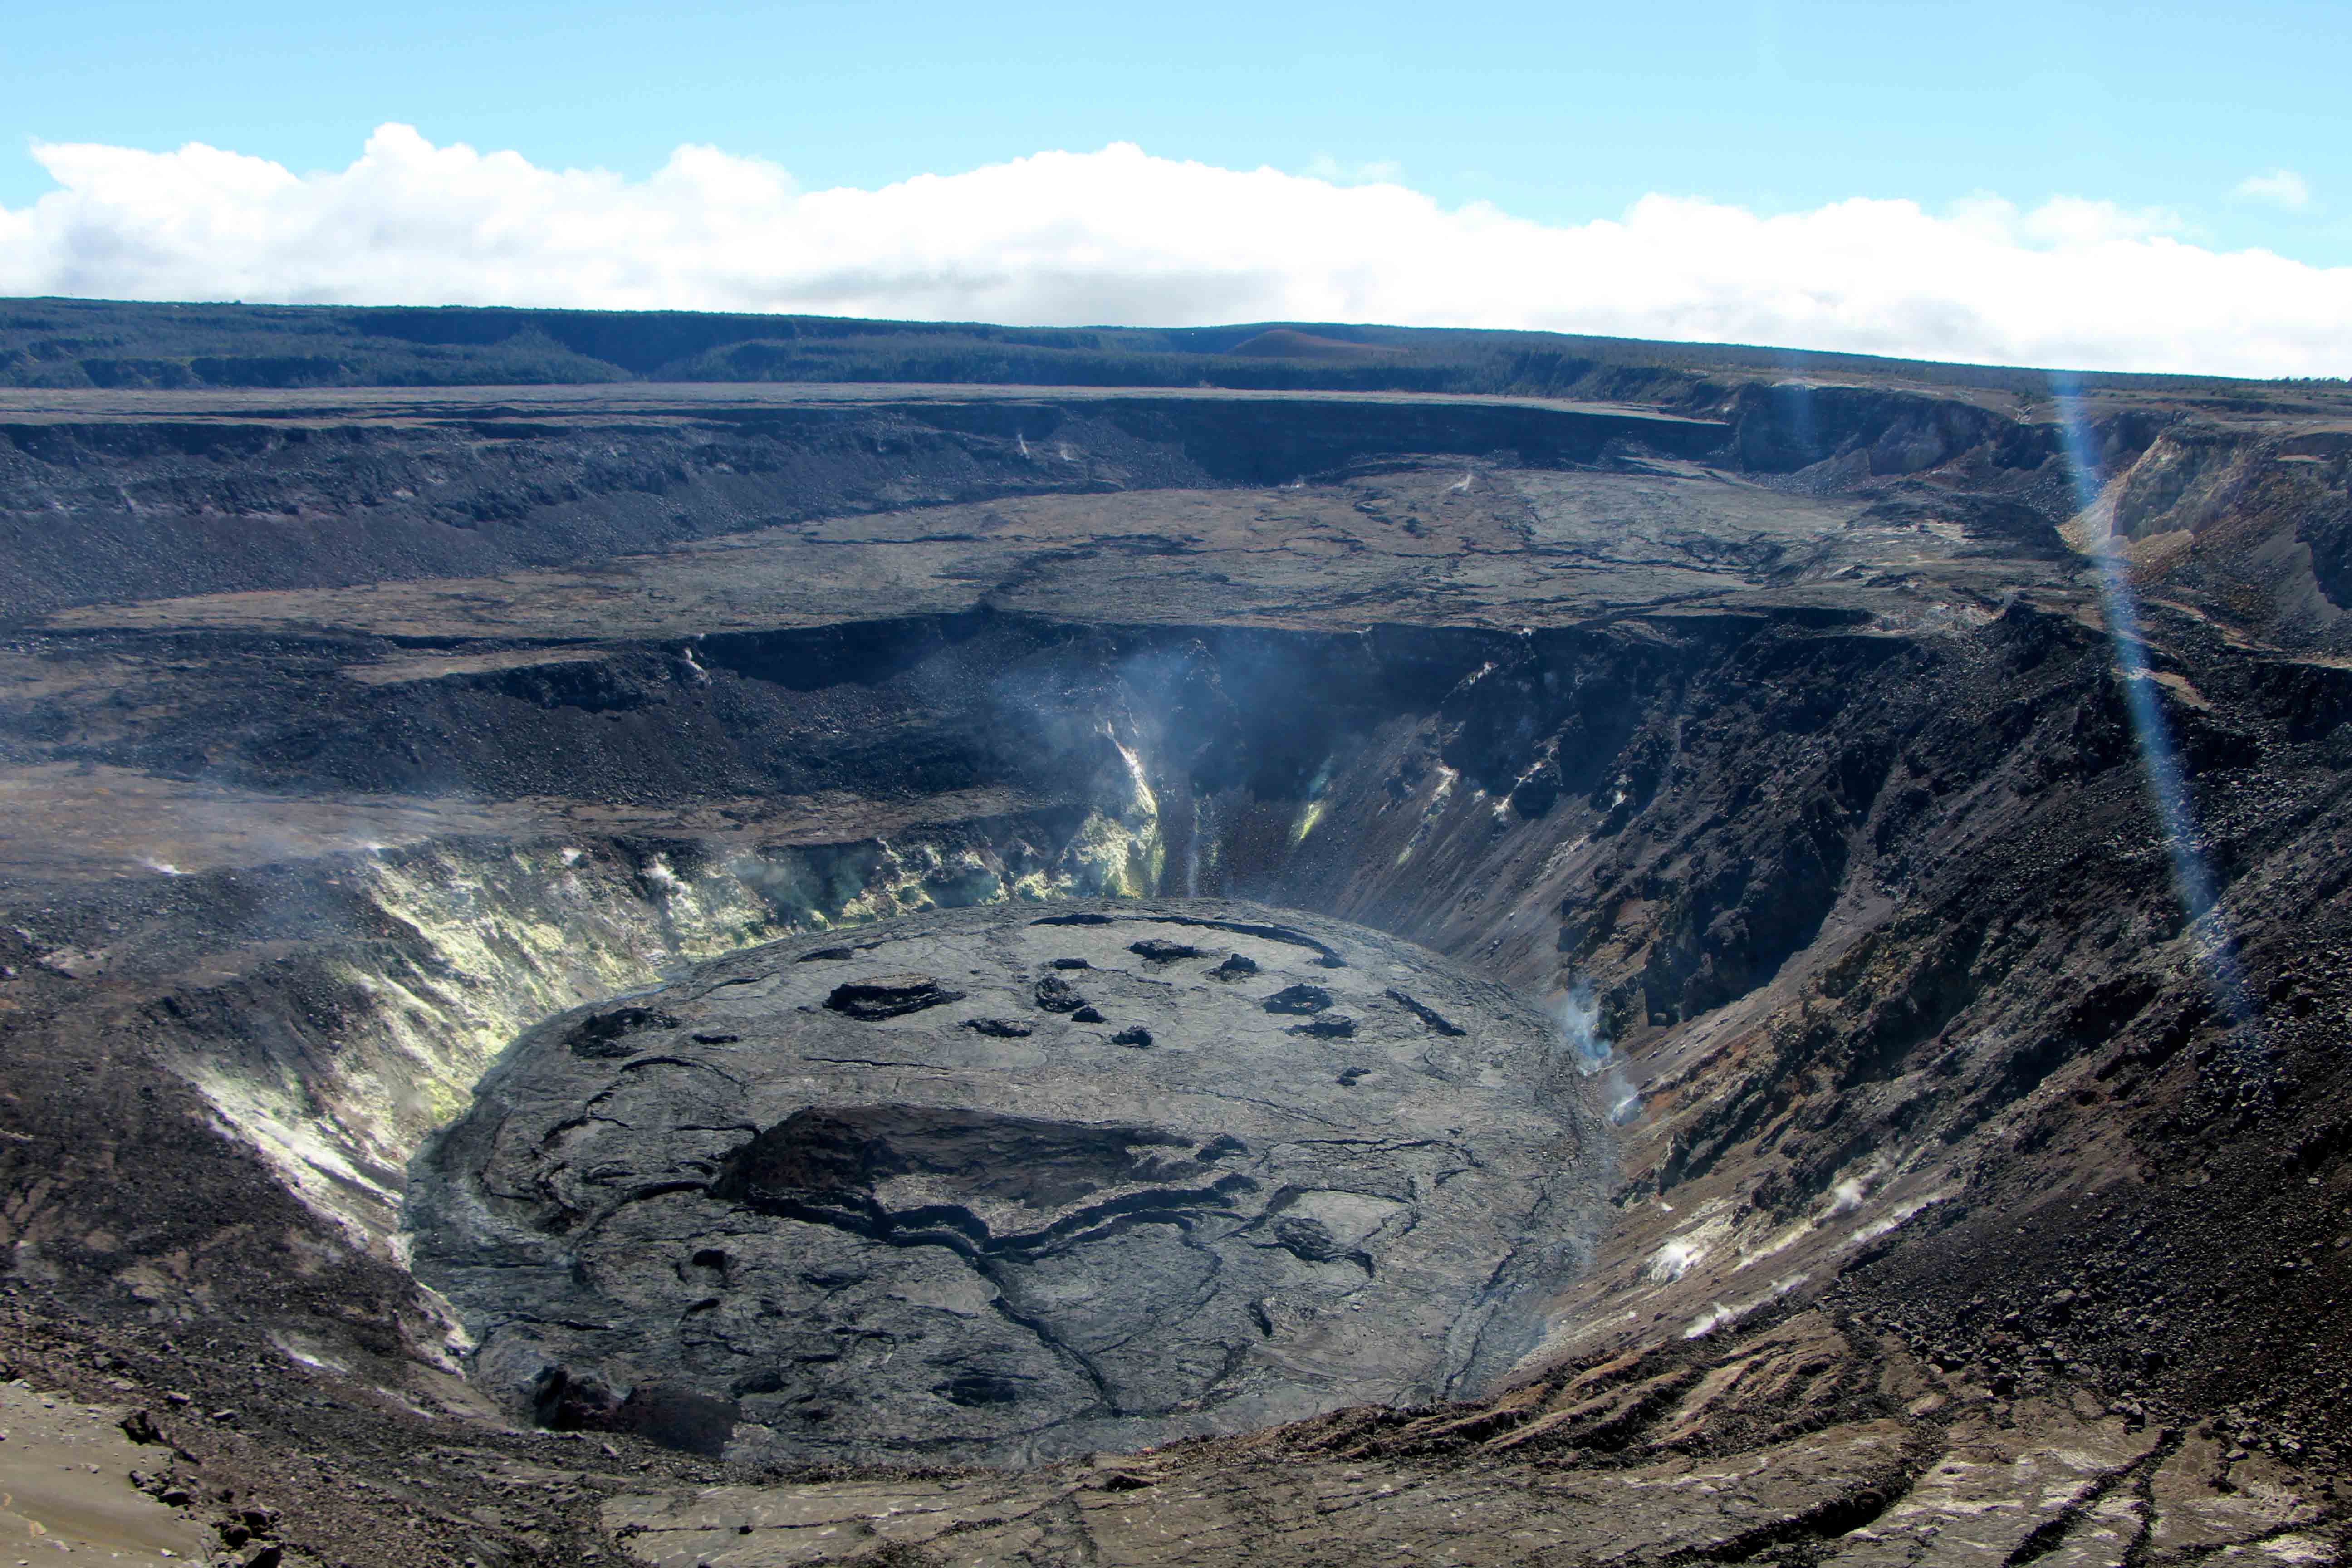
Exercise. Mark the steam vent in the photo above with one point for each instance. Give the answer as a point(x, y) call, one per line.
point(1001, 1185)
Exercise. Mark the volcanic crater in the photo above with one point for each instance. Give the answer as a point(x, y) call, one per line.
point(1702, 957)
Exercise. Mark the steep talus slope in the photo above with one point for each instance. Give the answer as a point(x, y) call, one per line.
point(2250, 531)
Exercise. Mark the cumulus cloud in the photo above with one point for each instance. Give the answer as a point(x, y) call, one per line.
point(2280, 187)
point(1120, 236)
point(1382, 172)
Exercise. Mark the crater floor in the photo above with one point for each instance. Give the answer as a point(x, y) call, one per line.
point(1001, 1185)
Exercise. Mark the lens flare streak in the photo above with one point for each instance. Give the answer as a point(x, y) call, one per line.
point(2159, 758)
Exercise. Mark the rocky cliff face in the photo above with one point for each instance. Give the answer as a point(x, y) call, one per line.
point(351, 487)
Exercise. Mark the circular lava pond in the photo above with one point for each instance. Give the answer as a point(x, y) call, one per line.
point(1004, 1184)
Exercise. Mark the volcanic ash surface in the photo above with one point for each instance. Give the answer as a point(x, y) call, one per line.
point(1001, 1184)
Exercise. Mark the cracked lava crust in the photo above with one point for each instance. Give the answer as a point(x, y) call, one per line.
point(1002, 1184)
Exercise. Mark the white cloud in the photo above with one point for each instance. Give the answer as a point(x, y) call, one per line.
point(1118, 236)
point(1382, 172)
point(2280, 187)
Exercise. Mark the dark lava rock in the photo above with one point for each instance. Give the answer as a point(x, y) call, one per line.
point(1001, 1028)
point(1236, 966)
point(1308, 1238)
point(1426, 1014)
point(1158, 950)
point(828, 955)
point(889, 997)
point(1327, 1025)
point(1089, 1014)
point(1034, 1243)
point(606, 1035)
point(1072, 964)
point(1299, 999)
point(1056, 994)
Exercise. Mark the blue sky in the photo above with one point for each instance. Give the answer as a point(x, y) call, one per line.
point(2154, 186)
point(1556, 112)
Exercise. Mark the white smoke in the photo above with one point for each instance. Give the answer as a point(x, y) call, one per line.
point(1118, 236)
point(1719, 1315)
point(1592, 1053)
point(1675, 1259)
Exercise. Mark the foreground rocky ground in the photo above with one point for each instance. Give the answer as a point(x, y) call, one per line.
point(1963, 1200)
